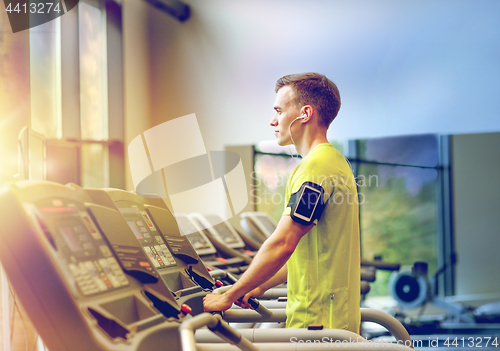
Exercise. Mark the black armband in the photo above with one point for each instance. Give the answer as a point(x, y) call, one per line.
point(307, 204)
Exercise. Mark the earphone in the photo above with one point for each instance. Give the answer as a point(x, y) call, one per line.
point(290, 131)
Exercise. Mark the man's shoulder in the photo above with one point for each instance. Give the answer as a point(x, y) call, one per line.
point(325, 163)
point(324, 157)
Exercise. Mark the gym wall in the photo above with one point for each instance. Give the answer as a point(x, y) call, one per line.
point(476, 194)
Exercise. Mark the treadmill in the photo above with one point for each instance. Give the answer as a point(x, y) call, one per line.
point(155, 229)
point(258, 225)
point(214, 255)
point(171, 253)
point(262, 224)
point(225, 236)
point(223, 232)
point(83, 283)
point(87, 284)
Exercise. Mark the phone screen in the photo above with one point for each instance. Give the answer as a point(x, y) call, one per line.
point(307, 202)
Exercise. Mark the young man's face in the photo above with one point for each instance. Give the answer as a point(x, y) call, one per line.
point(286, 111)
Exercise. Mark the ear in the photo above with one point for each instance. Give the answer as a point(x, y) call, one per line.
point(307, 111)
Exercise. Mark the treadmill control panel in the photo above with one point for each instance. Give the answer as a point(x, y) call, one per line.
point(71, 231)
point(148, 236)
point(223, 232)
point(96, 276)
point(259, 225)
point(200, 242)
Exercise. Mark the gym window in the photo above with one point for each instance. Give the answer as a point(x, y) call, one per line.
point(71, 76)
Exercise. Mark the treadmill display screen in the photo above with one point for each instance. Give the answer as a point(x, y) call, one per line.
point(185, 224)
point(225, 233)
point(220, 229)
point(192, 233)
point(139, 230)
point(155, 248)
point(197, 241)
point(76, 238)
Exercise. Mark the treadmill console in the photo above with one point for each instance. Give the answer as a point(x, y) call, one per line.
point(148, 236)
point(222, 231)
point(93, 268)
point(259, 225)
point(156, 232)
point(197, 238)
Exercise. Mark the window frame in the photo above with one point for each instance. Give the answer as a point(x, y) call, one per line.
point(69, 132)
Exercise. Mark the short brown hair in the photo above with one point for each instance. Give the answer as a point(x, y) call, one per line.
point(316, 90)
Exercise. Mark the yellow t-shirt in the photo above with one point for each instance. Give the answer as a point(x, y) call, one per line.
point(324, 270)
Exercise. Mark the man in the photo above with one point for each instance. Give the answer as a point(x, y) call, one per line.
point(315, 247)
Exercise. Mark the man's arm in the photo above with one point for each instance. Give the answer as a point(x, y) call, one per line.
point(278, 278)
point(273, 254)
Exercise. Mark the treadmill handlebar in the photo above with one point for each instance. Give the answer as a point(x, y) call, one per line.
point(216, 325)
point(254, 303)
point(260, 308)
point(218, 274)
point(387, 321)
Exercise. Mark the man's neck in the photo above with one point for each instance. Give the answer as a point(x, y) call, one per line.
point(309, 142)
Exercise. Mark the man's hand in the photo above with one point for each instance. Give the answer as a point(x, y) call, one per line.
point(216, 303)
point(270, 260)
point(243, 303)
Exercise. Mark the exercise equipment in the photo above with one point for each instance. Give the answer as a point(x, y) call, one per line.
point(219, 231)
point(215, 254)
point(258, 225)
point(411, 289)
point(82, 289)
point(86, 282)
point(224, 236)
point(171, 254)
